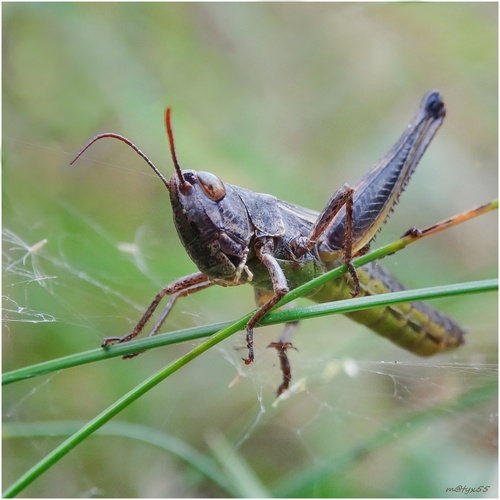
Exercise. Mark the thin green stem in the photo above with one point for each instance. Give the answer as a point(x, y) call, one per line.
point(284, 316)
point(197, 460)
point(98, 421)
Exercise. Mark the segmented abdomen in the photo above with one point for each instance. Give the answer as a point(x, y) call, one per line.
point(414, 326)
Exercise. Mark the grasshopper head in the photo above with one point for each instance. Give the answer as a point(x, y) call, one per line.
point(210, 218)
point(211, 221)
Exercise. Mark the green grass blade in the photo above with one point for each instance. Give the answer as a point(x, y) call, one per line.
point(296, 314)
point(204, 464)
point(243, 478)
point(98, 421)
point(148, 384)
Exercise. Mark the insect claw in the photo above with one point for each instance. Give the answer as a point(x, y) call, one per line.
point(414, 231)
point(109, 340)
point(250, 356)
point(243, 267)
point(249, 273)
point(355, 279)
point(119, 340)
point(132, 355)
point(237, 276)
point(357, 289)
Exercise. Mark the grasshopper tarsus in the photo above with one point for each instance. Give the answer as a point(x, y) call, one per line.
point(107, 341)
point(414, 232)
point(355, 279)
point(119, 340)
point(249, 338)
point(132, 355)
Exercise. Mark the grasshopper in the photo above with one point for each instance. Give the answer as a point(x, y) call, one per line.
point(236, 236)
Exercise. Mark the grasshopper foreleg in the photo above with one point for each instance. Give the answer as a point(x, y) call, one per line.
point(342, 198)
point(264, 250)
point(178, 288)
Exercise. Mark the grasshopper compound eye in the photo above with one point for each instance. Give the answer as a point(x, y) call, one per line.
point(211, 185)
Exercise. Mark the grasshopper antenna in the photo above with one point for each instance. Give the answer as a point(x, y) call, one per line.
point(137, 150)
point(185, 186)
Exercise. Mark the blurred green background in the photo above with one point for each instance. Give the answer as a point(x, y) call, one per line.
point(288, 99)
